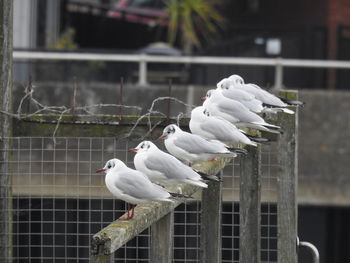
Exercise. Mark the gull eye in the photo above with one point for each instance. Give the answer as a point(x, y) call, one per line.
point(109, 166)
point(142, 146)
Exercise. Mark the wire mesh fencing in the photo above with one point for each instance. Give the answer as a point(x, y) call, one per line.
point(59, 203)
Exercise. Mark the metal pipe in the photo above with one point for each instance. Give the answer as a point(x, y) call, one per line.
point(142, 71)
point(142, 58)
point(120, 100)
point(278, 75)
point(312, 248)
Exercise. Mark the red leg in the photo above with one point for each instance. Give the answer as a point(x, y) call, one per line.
point(128, 217)
point(132, 211)
point(128, 213)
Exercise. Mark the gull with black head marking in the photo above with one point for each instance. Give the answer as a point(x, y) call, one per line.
point(270, 101)
point(192, 148)
point(235, 112)
point(133, 186)
point(240, 95)
point(217, 128)
point(164, 168)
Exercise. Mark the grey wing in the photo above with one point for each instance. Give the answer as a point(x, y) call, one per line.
point(237, 94)
point(238, 111)
point(139, 186)
point(195, 144)
point(167, 165)
point(221, 129)
point(265, 96)
point(231, 107)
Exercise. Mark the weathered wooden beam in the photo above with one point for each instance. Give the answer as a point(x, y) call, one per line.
point(44, 125)
point(6, 27)
point(250, 206)
point(82, 126)
point(115, 235)
point(90, 126)
point(287, 180)
point(162, 239)
point(210, 241)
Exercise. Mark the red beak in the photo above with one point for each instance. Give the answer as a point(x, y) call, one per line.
point(100, 170)
point(133, 150)
point(203, 98)
point(162, 137)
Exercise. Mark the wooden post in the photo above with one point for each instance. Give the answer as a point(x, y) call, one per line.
point(100, 257)
point(162, 236)
point(6, 9)
point(210, 240)
point(287, 179)
point(250, 207)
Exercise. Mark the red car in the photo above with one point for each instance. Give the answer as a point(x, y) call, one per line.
point(140, 11)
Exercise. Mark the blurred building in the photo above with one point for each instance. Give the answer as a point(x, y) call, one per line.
point(315, 29)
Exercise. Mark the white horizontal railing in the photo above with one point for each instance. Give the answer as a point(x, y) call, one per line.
point(143, 59)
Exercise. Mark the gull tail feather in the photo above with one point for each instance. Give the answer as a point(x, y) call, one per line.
point(275, 110)
point(252, 143)
point(238, 150)
point(292, 102)
point(196, 183)
point(257, 139)
point(209, 177)
point(269, 126)
point(176, 195)
point(257, 126)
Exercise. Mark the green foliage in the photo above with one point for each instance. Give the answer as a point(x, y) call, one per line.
point(66, 40)
point(195, 21)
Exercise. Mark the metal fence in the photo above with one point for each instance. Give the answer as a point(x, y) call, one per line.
point(59, 203)
point(143, 61)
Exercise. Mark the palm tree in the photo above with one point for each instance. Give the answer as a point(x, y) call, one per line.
point(193, 21)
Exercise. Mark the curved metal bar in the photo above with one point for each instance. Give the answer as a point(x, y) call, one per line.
point(312, 248)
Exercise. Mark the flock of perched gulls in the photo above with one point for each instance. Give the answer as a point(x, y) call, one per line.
point(214, 126)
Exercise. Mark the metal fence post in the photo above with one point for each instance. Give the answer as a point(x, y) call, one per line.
point(250, 208)
point(278, 74)
point(100, 257)
point(210, 240)
point(162, 236)
point(287, 179)
point(6, 20)
point(142, 71)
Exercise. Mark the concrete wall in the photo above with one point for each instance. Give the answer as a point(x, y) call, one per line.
point(324, 148)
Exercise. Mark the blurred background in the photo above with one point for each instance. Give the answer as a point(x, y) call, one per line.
point(317, 30)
